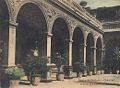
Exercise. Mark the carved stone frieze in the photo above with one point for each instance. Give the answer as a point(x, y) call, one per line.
point(71, 23)
point(14, 4)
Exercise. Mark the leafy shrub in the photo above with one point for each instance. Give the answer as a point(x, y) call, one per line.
point(14, 73)
point(35, 65)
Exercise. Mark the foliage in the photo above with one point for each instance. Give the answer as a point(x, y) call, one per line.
point(114, 59)
point(90, 67)
point(80, 67)
point(36, 65)
point(14, 73)
point(116, 54)
point(61, 60)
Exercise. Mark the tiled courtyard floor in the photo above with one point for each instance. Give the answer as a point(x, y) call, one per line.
point(95, 81)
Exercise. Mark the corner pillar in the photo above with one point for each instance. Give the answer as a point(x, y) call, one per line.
point(12, 43)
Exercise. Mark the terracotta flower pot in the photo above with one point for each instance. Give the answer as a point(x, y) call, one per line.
point(60, 76)
point(102, 71)
point(14, 83)
point(98, 72)
point(85, 73)
point(35, 80)
point(90, 73)
point(80, 75)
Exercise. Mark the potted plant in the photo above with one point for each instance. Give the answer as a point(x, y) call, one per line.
point(36, 68)
point(78, 68)
point(60, 62)
point(39, 69)
point(35, 78)
point(90, 70)
point(14, 74)
point(102, 69)
point(98, 69)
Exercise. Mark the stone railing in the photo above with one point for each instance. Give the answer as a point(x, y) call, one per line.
point(70, 4)
point(111, 25)
point(66, 2)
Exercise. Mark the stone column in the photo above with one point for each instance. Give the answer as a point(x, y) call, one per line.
point(70, 52)
point(12, 43)
point(68, 68)
point(83, 54)
point(49, 46)
point(102, 56)
point(94, 58)
point(84, 49)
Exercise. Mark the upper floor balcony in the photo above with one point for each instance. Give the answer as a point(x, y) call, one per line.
point(78, 10)
point(111, 26)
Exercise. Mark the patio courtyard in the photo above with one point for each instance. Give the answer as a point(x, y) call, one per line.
point(94, 81)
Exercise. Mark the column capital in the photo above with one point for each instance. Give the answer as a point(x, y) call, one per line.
point(102, 50)
point(83, 45)
point(69, 40)
point(92, 47)
point(47, 34)
point(11, 23)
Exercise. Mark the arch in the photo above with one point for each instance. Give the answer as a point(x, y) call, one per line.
point(65, 20)
point(24, 2)
point(31, 32)
point(90, 52)
point(60, 39)
point(81, 29)
point(77, 46)
point(4, 31)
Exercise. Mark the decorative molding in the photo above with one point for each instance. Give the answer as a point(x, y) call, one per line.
point(11, 23)
point(14, 4)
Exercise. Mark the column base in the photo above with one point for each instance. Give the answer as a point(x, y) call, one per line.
point(95, 71)
point(84, 73)
point(68, 71)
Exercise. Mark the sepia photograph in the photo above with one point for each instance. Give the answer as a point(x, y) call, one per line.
point(59, 43)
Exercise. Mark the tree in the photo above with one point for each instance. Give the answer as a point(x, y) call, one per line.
point(116, 56)
point(114, 59)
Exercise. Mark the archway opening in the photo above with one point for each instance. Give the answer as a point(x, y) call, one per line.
point(99, 53)
point(60, 40)
point(77, 47)
point(4, 32)
point(90, 50)
point(31, 32)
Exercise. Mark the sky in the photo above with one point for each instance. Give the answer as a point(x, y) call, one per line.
point(101, 3)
